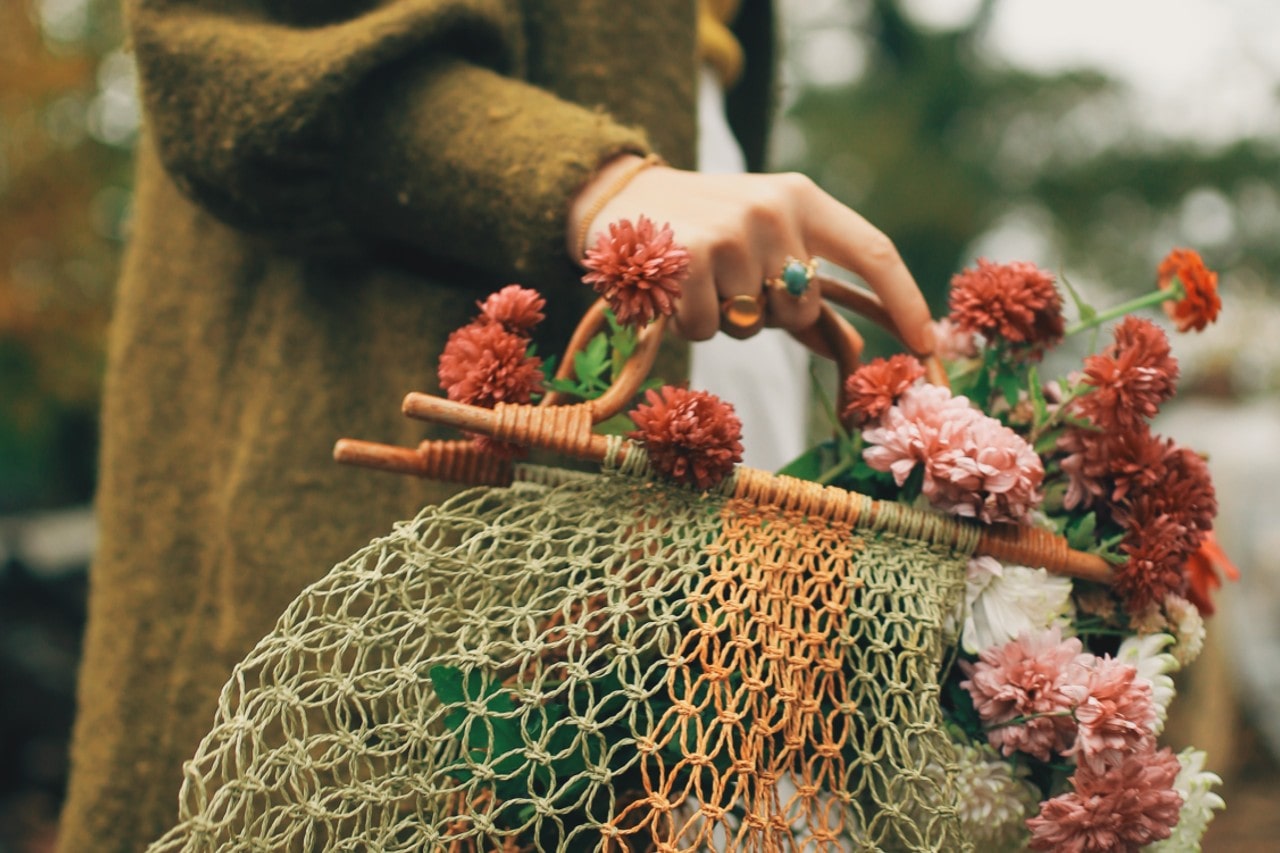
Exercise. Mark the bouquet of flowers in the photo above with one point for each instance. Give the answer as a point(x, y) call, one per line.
point(1057, 688)
point(1060, 687)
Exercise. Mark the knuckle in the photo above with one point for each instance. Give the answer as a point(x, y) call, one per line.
point(879, 252)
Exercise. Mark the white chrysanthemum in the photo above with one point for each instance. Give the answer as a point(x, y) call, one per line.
point(1148, 653)
point(1188, 627)
point(1003, 602)
point(995, 799)
point(1199, 802)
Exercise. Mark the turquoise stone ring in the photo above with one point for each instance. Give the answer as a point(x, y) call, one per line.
point(795, 277)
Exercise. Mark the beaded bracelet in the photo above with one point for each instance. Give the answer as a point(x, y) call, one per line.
point(584, 227)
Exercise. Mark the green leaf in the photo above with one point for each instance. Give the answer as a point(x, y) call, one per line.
point(1010, 386)
point(1086, 311)
point(1080, 532)
point(810, 464)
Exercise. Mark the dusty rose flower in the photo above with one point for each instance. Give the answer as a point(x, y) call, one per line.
point(518, 309)
point(691, 436)
point(1115, 715)
point(1205, 569)
point(1017, 303)
point(638, 268)
point(952, 343)
point(1200, 305)
point(974, 466)
point(1022, 692)
point(483, 364)
point(1130, 379)
point(876, 386)
point(1119, 811)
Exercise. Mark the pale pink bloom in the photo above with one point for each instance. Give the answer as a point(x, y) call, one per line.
point(974, 466)
point(1115, 715)
point(951, 343)
point(1120, 811)
point(1022, 690)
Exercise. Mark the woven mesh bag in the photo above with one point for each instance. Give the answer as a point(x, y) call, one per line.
point(602, 661)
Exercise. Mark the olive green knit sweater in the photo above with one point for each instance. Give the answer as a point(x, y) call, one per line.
point(324, 189)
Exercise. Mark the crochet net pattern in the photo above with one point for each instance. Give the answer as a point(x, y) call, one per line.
point(600, 662)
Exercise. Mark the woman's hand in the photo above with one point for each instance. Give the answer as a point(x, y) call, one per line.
point(740, 230)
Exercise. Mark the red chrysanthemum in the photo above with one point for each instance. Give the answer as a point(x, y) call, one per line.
point(691, 436)
point(1017, 303)
point(1107, 466)
point(517, 309)
point(1130, 378)
point(484, 364)
point(1119, 811)
point(1200, 303)
point(638, 268)
point(1182, 489)
point(876, 386)
point(1156, 551)
point(1205, 569)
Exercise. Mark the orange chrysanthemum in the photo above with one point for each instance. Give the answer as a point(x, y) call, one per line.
point(877, 385)
point(693, 437)
point(1205, 570)
point(1199, 304)
point(518, 309)
point(638, 268)
point(1017, 303)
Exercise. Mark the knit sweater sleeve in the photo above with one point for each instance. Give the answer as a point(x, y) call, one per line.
point(339, 123)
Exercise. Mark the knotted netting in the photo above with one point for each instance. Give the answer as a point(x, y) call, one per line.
point(599, 662)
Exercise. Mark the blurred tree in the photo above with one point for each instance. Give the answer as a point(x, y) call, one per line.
point(939, 144)
point(65, 133)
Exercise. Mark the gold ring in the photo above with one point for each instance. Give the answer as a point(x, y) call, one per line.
point(743, 311)
point(795, 277)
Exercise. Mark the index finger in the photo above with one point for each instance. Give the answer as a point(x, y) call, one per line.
point(845, 238)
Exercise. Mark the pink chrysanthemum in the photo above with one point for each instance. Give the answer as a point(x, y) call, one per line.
point(1119, 811)
point(515, 308)
point(484, 364)
point(1115, 715)
point(1130, 379)
point(974, 466)
point(1200, 304)
point(1017, 303)
point(876, 386)
point(691, 436)
point(638, 269)
point(1029, 680)
point(952, 343)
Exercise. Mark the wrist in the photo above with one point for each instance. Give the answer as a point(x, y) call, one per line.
point(611, 179)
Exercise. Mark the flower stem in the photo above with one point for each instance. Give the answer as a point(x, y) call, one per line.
point(1155, 297)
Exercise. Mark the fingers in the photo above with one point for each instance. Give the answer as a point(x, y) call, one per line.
point(847, 239)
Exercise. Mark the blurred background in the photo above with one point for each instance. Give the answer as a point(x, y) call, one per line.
point(1088, 137)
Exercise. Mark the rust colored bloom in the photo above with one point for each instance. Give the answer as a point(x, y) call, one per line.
point(1017, 303)
point(1205, 569)
point(1130, 378)
point(1181, 489)
point(1119, 811)
point(517, 309)
point(1156, 551)
point(876, 386)
point(638, 268)
point(691, 436)
point(1107, 466)
point(484, 364)
point(1199, 304)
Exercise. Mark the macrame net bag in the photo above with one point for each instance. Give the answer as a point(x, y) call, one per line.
point(564, 661)
point(605, 662)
